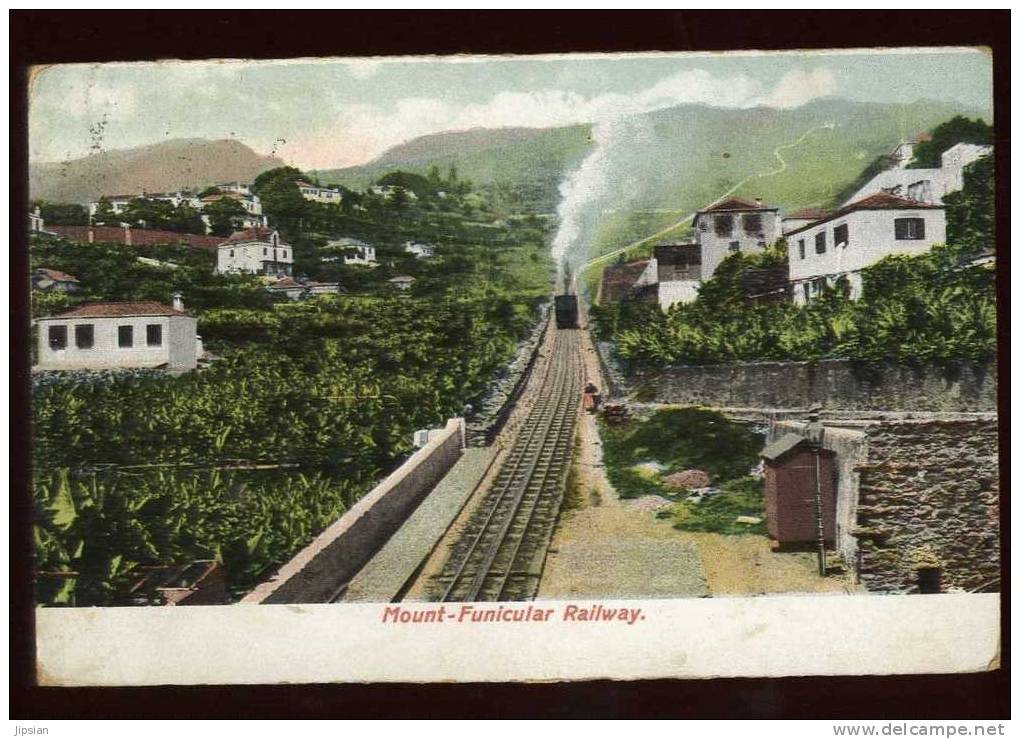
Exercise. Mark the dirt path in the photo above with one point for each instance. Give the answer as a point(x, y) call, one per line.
point(608, 548)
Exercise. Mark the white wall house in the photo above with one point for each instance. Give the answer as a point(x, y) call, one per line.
point(678, 272)
point(401, 282)
point(319, 194)
point(800, 218)
point(255, 251)
point(36, 223)
point(857, 236)
point(420, 251)
point(117, 202)
point(119, 335)
point(733, 225)
point(925, 185)
point(350, 251)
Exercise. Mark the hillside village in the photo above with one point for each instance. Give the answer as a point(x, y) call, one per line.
point(900, 211)
point(278, 343)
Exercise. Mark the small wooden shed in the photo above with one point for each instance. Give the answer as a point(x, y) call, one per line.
point(796, 472)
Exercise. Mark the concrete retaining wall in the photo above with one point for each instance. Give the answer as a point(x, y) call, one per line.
point(319, 572)
point(830, 383)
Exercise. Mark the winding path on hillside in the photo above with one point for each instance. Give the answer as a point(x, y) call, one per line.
point(783, 166)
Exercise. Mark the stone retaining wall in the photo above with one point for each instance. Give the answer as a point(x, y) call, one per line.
point(320, 571)
point(830, 383)
point(930, 489)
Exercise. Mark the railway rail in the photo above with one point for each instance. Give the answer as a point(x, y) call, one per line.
point(501, 551)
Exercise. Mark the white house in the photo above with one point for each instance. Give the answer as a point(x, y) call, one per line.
point(402, 282)
point(420, 251)
point(51, 280)
point(800, 218)
point(296, 290)
point(857, 236)
point(677, 269)
point(35, 221)
point(319, 194)
point(733, 225)
point(120, 335)
point(350, 251)
point(388, 191)
point(925, 185)
point(118, 203)
point(256, 251)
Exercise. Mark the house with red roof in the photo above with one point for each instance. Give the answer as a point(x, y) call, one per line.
point(52, 280)
point(858, 235)
point(257, 251)
point(143, 334)
point(733, 225)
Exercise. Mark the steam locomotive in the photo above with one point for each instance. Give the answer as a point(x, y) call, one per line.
point(566, 302)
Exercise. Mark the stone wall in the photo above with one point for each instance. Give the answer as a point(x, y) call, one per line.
point(320, 571)
point(929, 489)
point(830, 383)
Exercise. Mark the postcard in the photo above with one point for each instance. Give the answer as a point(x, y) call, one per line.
point(514, 368)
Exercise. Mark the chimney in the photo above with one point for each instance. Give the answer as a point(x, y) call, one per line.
point(178, 302)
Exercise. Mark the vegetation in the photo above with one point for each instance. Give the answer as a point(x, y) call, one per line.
point(718, 513)
point(930, 308)
point(959, 129)
point(677, 439)
point(309, 404)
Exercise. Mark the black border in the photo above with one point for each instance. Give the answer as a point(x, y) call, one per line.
point(43, 37)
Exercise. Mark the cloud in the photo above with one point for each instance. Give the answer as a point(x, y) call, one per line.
point(800, 86)
point(363, 131)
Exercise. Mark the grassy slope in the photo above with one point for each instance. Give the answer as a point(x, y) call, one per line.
point(535, 161)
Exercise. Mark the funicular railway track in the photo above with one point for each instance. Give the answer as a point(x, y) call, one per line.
point(500, 553)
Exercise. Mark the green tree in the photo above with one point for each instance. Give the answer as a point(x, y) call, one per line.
point(105, 215)
point(970, 212)
point(62, 214)
point(282, 201)
point(226, 215)
point(928, 154)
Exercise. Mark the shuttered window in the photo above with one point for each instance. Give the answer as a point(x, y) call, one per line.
point(84, 336)
point(58, 337)
point(154, 334)
point(909, 228)
point(841, 235)
point(125, 337)
point(820, 242)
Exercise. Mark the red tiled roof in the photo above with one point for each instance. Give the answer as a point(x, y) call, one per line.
point(286, 282)
point(619, 279)
point(114, 310)
point(737, 204)
point(255, 233)
point(56, 275)
point(878, 201)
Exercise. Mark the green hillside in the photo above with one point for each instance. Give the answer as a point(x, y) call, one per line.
point(523, 164)
point(693, 155)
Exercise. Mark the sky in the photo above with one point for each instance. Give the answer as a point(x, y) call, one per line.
point(319, 114)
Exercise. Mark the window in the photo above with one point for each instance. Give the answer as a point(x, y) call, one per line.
point(284, 253)
point(723, 225)
point(820, 242)
point(264, 251)
point(58, 337)
point(734, 247)
point(154, 334)
point(752, 223)
point(274, 255)
point(841, 235)
point(125, 337)
point(702, 224)
point(909, 228)
point(800, 247)
point(84, 336)
point(231, 253)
